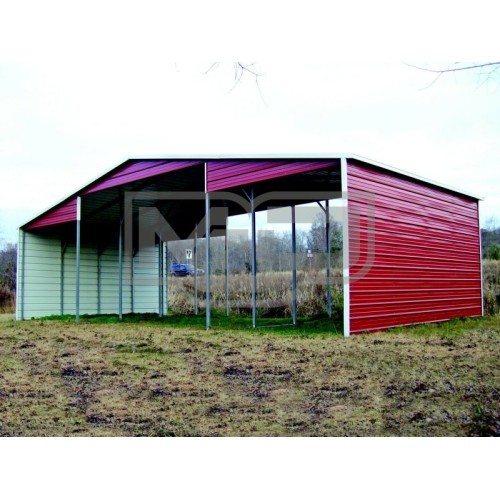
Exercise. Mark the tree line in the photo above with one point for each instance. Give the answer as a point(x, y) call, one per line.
point(490, 241)
point(274, 250)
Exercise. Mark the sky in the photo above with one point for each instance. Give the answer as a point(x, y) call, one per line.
point(95, 86)
point(61, 125)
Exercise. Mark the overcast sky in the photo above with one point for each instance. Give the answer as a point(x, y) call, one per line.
point(61, 125)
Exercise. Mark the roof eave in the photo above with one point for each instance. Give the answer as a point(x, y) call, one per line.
point(273, 156)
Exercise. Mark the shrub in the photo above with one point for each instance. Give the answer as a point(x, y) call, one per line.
point(491, 286)
point(7, 300)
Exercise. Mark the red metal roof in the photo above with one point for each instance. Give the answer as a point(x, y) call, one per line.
point(128, 172)
point(224, 174)
point(66, 212)
point(137, 170)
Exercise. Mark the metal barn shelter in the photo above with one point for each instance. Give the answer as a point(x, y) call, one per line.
point(411, 247)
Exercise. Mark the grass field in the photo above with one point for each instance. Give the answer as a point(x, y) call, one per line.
point(172, 378)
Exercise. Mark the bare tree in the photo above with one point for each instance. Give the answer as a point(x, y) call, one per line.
point(242, 70)
point(485, 71)
point(8, 266)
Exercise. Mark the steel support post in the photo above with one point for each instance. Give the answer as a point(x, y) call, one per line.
point(77, 284)
point(226, 255)
point(160, 277)
point(294, 269)
point(165, 275)
point(207, 260)
point(99, 264)
point(254, 260)
point(328, 261)
point(132, 277)
point(120, 269)
point(195, 258)
point(63, 252)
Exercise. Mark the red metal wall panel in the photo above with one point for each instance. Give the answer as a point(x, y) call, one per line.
point(414, 252)
point(230, 173)
point(63, 213)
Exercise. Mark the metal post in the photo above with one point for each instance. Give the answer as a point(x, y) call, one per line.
point(63, 251)
point(226, 248)
point(132, 277)
point(328, 262)
point(207, 259)
point(99, 263)
point(195, 257)
point(254, 260)
point(77, 290)
point(165, 275)
point(345, 247)
point(120, 270)
point(294, 269)
point(160, 277)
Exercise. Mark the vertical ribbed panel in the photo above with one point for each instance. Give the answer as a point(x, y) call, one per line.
point(224, 174)
point(42, 278)
point(413, 250)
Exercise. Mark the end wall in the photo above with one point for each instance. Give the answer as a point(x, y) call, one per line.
point(414, 251)
point(47, 279)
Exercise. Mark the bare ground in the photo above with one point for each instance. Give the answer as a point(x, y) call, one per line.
point(61, 379)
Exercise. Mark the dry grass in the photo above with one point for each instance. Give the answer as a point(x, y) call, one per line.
point(274, 293)
point(61, 379)
point(491, 286)
point(7, 300)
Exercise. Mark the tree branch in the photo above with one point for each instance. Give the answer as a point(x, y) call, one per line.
point(450, 70)
point(440, 72)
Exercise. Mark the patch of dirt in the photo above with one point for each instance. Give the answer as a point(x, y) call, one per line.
point(131, 380)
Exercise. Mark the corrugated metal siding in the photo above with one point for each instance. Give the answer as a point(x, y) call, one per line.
point(230, 173)
point(146, 280)
point(88, 280)
point(42, 273)
point(42, 279)
point(413, 250)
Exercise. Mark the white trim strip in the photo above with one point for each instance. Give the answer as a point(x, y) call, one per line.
point(480, 259)
point(345, 248)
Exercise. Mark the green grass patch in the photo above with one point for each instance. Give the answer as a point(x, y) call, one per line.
point(237, 322)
